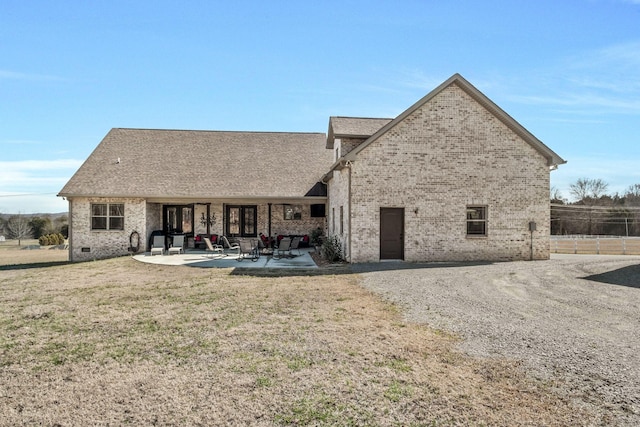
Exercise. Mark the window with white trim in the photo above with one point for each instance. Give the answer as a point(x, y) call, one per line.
point(476, 221)
point(107, 216)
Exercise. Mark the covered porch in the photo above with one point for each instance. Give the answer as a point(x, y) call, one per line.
point(234, 218)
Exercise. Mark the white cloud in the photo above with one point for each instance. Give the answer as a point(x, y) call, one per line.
point(39, 203)
point(20, 142)
point(600, 81)
point(30, 186)
point(585, 102)
point(14, 75)
point(39, 165)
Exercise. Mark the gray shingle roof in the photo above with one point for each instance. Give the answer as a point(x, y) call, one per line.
point(201, 164)
point(353, 127)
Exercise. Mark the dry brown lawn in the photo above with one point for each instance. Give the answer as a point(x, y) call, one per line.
point(120, 342)
point(11, 253)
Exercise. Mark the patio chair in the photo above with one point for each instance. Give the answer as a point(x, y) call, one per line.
point(283, 247)
point(177, 245)
point(264, 248)
point(232, 246)
point(249, 250)
point(158, 245)
point(212, 249)
point(295, 245)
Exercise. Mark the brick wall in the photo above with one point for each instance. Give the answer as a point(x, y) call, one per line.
point(348, 144)
point(445, 156)
point(338, 192)
point(100, 244)
point(154, 222)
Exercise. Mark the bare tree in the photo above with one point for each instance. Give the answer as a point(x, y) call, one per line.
point(556, 196)
point(18, 228)
point(632, 198)
point(588, 190)
point(632, 195)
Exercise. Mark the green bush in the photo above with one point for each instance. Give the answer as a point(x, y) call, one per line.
point(51, 239)
point(316, 236)
point(332, 249)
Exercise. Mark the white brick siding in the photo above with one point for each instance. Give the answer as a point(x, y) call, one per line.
point(448, 154)
point(104, 243)
point(338, 192)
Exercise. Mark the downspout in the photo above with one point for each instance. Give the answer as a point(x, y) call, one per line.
point(269, 231)
point(349, 164)
point(70, 230)
point(224, 211)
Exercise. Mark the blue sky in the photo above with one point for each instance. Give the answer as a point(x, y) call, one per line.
point(568, 71)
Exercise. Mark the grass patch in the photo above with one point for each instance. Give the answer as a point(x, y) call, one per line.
point(129, 343)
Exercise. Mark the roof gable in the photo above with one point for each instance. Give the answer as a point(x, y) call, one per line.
point(151, 163)
point(353, 127)
point(552, 158)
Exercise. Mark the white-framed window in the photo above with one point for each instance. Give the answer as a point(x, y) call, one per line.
point(107, 216)
point(476, 220)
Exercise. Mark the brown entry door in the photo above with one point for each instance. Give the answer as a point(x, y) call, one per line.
point(391, 233)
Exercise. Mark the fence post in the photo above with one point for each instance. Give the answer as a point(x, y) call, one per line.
point(624, 246)
point(575, 245)
point(597, 245)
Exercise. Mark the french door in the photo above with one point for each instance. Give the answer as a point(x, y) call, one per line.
point(178, 219)
point(241, 221)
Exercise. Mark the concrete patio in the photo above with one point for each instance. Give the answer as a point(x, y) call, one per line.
point(202, 259)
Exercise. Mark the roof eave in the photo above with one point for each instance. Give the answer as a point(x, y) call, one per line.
point(192, 199)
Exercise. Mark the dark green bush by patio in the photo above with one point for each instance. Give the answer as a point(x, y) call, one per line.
point(317, 237)
point(332, 249)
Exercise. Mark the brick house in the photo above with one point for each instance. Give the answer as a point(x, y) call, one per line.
point(239, 184)
point(451, 178)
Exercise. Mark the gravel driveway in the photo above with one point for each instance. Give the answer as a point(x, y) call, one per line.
point(573, 320)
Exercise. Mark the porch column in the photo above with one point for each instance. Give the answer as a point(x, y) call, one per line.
point(269, 231)
point(208, 222)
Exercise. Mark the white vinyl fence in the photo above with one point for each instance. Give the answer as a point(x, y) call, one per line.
point(601, 245)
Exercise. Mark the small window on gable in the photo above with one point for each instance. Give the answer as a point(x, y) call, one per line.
point(476, 220)
point(107, 216)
